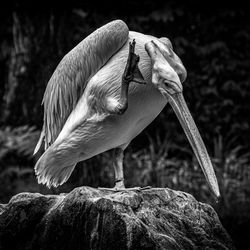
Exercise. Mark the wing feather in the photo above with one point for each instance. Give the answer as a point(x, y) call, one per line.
point(71, 76)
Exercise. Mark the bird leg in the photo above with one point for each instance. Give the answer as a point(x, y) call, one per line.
point(118, 167)
point(131, 74)
point(119, 177)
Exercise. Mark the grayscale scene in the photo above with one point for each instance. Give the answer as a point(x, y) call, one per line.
point(124, 125)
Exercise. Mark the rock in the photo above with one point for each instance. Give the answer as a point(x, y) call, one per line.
point(89, 218)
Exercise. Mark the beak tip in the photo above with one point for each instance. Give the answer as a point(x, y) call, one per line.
point(218, 199)
point(217, 196)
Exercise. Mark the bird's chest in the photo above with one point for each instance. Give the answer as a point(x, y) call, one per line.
point(144, 104)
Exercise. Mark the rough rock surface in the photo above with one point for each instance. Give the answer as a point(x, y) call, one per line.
point(89, 218)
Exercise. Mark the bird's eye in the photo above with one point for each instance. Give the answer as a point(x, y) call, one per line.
point(172, 87)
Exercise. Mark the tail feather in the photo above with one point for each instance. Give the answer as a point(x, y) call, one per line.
point(52, 171)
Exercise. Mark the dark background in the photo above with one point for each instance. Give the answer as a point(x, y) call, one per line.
point(213, 40)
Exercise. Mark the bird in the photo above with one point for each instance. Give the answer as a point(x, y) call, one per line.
point(103, 93)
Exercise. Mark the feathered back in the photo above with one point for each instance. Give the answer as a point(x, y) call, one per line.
point(71, 76)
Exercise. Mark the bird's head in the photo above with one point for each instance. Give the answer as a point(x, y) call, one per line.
point(168, 73)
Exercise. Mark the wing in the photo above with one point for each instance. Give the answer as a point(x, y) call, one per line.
point(71, 76)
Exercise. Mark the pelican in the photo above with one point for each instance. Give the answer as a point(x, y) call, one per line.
point(96, 101)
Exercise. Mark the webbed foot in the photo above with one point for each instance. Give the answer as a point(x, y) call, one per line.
point(132, 72)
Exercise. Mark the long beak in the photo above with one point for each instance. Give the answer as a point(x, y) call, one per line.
point(179, 105)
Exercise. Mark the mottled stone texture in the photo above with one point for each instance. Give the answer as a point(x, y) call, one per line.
point(88, 218)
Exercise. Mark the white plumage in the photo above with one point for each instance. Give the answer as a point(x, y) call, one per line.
point(84, 90)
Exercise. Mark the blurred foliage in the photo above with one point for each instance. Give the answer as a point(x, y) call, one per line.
point(18, 140)
point(214, 45)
